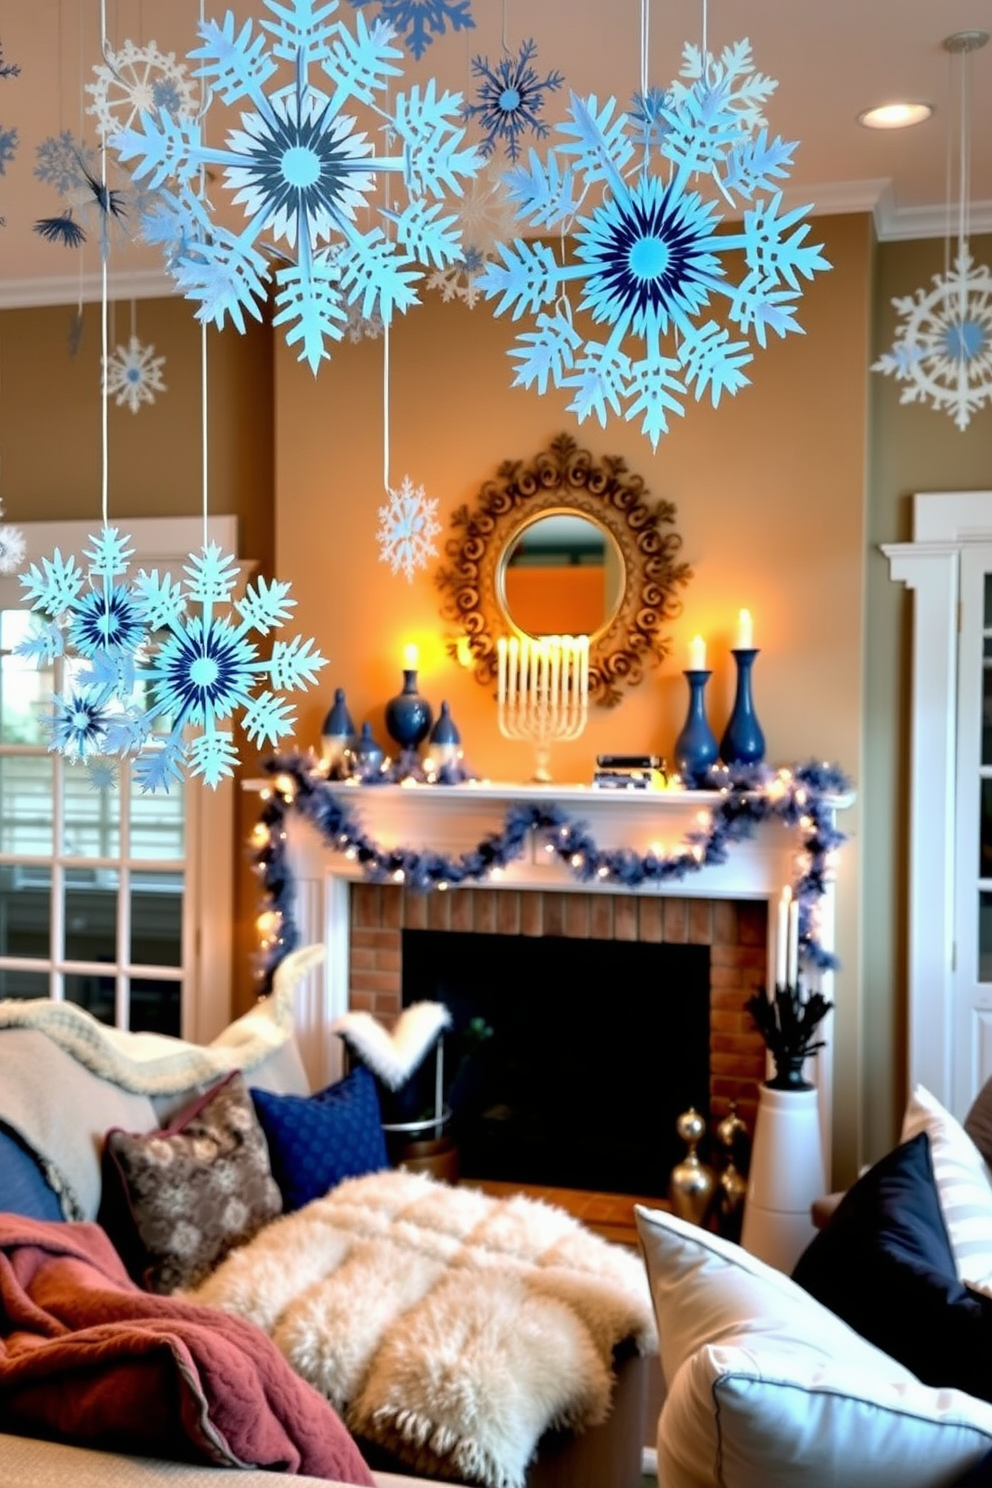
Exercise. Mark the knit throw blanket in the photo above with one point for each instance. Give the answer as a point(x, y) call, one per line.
point(450, 1328)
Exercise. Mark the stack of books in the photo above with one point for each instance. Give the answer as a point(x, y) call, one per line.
point(630, 772)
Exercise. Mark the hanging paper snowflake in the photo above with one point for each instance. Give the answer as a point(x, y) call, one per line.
point(363, 327)
point(8, 69)
point(12, 548)
point(485, 217)
point(511, 96)
point(943, 346)
point(134, 375)
point(654, 255)
point(301, 168)
point(8, 148)
point(407, 525)
point(63, 161)
point(137, 80)
point(419, 21)
point(81, 614)
point(209, 666)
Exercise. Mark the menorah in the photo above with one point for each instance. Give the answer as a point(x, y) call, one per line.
point(543, 692)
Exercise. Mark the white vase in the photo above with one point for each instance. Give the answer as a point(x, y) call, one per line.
point(785, 1176)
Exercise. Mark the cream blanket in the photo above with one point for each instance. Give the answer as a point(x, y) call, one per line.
point(449, 1327)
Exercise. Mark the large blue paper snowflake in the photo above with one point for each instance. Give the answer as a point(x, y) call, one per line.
point(209, 666)
point(419, 21)
point(654, 256)
point(942, 353)
point(302, 170)
point(511, 96)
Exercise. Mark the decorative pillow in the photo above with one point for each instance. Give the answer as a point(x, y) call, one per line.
point(964, 1184)
point(767, 1389)
point(317, 1141)
point(176, 1201)
point(24, 1188)
point(884, 1264)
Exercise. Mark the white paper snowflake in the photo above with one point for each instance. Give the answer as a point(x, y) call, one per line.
point(137, 80)
point(12, 548)
point(134, 375)
point(943, 346)
point(407, 525)
point(485, 217)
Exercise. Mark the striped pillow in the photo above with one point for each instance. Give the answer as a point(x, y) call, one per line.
point(964, 1185)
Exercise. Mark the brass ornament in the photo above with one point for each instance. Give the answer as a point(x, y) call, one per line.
point(693, 1183)
point(564, 478)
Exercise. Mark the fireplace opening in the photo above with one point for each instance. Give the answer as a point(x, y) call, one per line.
point(568, 1061)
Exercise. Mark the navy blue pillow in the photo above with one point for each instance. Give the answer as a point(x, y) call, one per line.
point(884, 1264)
point(316, 1141)
point(23, 1186)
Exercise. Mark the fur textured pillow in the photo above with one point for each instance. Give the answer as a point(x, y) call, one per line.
point(175, 1202)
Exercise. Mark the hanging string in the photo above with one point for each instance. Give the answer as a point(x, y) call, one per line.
point(964, 152)
point(949, 166)
point(645, 46)
point(204, 422)
point(104, 318)
point(505, 43)
point(705, 38)
point(385, 405)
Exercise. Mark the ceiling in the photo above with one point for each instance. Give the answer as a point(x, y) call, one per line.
point(831, 61)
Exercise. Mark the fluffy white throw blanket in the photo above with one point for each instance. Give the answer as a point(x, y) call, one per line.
point(451, 1328)
point(155, 1064)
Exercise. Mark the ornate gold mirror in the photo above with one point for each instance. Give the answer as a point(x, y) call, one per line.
point(566, 544)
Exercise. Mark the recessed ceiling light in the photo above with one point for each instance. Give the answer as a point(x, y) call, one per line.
point(895, 115)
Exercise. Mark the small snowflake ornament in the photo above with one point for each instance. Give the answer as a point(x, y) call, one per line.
point(418, 22)
point(485, 217)
point(134, 375)
point(654, 257)
point(942, 353)
point(209, 667)
point(303, 172)
point(137, 80)
point(511, 97)
point(12, 548)
point(62, 161)
point(407, 527)
point(8, 148)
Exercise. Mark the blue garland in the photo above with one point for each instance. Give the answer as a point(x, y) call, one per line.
point(745, 796)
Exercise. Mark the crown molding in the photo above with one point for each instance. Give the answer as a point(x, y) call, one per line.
point(83, 289)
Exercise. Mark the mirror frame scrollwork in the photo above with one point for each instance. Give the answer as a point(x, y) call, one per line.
point(564, 477)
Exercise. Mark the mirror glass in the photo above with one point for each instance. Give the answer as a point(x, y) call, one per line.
point(563, 574)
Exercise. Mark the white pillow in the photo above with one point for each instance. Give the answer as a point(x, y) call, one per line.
point(964, 1184)
point(767, 1389)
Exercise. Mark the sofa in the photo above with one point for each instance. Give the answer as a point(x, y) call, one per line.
point(90, 1121)
point(872, 1364)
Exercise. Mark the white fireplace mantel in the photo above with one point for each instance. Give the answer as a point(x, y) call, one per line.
point(452, 819)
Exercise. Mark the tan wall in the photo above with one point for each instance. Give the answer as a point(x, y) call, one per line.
point(770, 491)
point(914, 448)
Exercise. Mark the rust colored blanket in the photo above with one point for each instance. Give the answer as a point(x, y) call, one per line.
point(87, 1357)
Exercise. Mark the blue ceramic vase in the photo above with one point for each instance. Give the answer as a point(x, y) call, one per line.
point(408, 715)
point(696, 747)
point(743, 742)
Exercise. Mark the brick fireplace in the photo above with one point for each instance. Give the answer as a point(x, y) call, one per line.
point(735, 931)
point(726, 906)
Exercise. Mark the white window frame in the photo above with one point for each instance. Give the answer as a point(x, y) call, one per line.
point(208, 903)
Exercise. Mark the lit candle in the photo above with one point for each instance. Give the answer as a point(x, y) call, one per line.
point(511, 669)
point(501, 655)
point(782, 938)
point(411, 656)
point(584, 668)
point(745, 631)
point(697, 654)
point(793, 968)
point(555, 645)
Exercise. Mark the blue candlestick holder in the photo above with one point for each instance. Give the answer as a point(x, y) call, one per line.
point(696, 747)
point(743, 742)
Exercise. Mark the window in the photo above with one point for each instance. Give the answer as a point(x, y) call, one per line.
point(111, 899)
